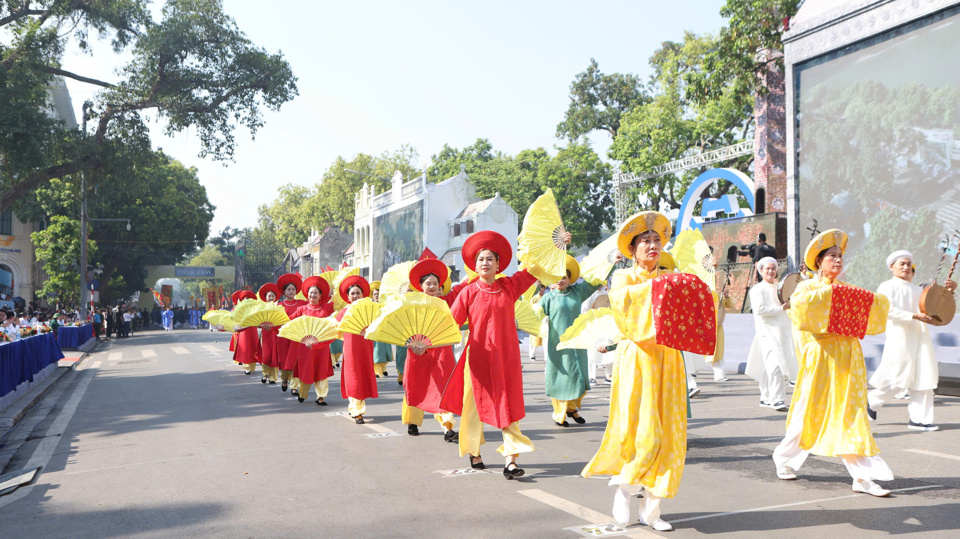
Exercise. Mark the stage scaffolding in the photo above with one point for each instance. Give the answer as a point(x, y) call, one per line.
point(623, 180)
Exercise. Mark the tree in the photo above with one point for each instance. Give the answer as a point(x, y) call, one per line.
point(57, 248)
point(598, 102)
point(193, 69)
point(447, 163)
point(672, 126)
point(285, 218)
point(167, 206)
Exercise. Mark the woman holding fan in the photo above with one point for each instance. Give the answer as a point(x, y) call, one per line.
point(269, 361)
point(358, 382)
point(287, 350)
point(247, 348)
point(313, 364)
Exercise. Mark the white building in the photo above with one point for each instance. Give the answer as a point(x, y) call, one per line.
point(396, 225)
point(20, 273)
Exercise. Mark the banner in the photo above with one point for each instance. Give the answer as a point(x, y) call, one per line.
point(211, 295)
point(166, 292)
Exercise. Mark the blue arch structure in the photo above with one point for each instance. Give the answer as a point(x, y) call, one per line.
point(713, 206)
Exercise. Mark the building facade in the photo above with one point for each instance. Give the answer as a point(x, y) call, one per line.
point(398, 224)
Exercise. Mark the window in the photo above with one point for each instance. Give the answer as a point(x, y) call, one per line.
point(6, 223)
point(456, 229)
point(760, 201)
point(469, 225)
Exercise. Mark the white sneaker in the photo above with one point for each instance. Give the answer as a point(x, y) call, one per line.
point(869, 487)
point(621, 507)
point(694, 392)
point(660, 525)
point(779, 406)
point(786, 473)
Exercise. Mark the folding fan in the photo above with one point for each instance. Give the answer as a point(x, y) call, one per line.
point(528, 317)
point(338, 302)
point(415, 319)
point(214, 316)
point(597, 264)
point(359, 316)
point(266, 313)
point(309, 330)
point(693, 255)
point(396, 280)
point(590, 330)
point(245, 307)
point(329, 276)
point(528, 295)
point(300, 296)
point(540, 244)
point(227, 323)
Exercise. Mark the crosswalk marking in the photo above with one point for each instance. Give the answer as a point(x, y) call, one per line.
point(180, 350)
point(115, 356)
point(211, 348)
point(148, 353)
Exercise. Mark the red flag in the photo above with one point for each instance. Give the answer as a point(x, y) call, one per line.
point(344, 266)
point(427, 254)
point(329, 268)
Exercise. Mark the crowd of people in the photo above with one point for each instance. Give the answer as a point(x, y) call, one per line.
point(811, 340)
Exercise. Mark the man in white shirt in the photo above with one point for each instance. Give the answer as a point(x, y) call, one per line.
point(908, 361)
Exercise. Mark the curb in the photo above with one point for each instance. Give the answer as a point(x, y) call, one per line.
point(12, 415)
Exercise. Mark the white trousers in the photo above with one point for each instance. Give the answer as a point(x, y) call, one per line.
point(920, 408)
point(649, 504)
point(772, 388)
point(789, 453)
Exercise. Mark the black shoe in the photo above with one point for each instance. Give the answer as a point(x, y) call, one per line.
point(263, 379)
point(871, 413)
point(476, 465)
point(359, 419)
point(413, 430)
point(295, 392)
point(578, 419)
point(337, 366)
point(400, 383)
point(320, 401)
point(274, 382)
point(564, 424)
point(514, 473)
point(300, 399)
point(385, 374)
point(283, 386)
point(248, 373)
point(377, 375)
point(451, 436)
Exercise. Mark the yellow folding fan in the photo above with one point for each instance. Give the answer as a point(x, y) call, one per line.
point(415, 319)
point(214, 316)
point(359, 316)
point(597, 264)
point(309, 330)
point(396, 280)
point(227, 323)
point(267, 314)
point(693, 255)
point(528, 317)
point(245, 307)
point(338, 302)
point(590, 330)
point(540, 245)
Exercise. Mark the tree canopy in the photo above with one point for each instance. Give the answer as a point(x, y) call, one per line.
point(193, 68)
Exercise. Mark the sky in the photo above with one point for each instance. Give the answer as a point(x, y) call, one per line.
point(375, 75)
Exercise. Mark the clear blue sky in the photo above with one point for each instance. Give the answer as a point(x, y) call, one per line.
point(374, 75)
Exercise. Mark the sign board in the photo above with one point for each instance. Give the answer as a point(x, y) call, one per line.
point(194, 272)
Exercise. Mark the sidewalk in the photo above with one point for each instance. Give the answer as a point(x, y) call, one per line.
point(16, 411)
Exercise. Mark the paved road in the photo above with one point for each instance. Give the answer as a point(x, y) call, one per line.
point(162, 435)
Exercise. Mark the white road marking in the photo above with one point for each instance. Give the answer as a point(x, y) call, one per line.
point(179, 350)
point(114, 356)
point(795, 504)
point(578, 510)
point(96, 365)
point(933, 454)
point(148, 353)
point(211, 348)
point(52, 438)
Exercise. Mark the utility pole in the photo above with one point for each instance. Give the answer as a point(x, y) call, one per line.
point(87, 114)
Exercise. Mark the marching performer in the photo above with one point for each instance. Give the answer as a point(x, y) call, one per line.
point(828, 414)
point(428, 370)
point(908, 361)
point(487, 383)
point(313, 363)
point(247, 348)
point(645, 442)
point(567, 380)
point(287, 350)
point(270, 362)
point(357, 379)
point(382, 352)
point(771, 356)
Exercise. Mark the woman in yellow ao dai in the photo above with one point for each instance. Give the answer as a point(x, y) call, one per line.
point(828, 414)
point(645, 442)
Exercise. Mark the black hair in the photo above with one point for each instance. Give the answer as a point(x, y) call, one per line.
point(761, 237)
point(569, 275)
point(319, 290)
point(495, 255)
point(424, 278)
point(351, 287)
point(288, 285)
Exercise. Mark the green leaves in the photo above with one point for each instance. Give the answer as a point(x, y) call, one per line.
point(598, 102)
point(57, 248)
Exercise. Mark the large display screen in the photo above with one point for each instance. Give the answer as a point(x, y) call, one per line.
point(878, 146)
point(397, 237)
